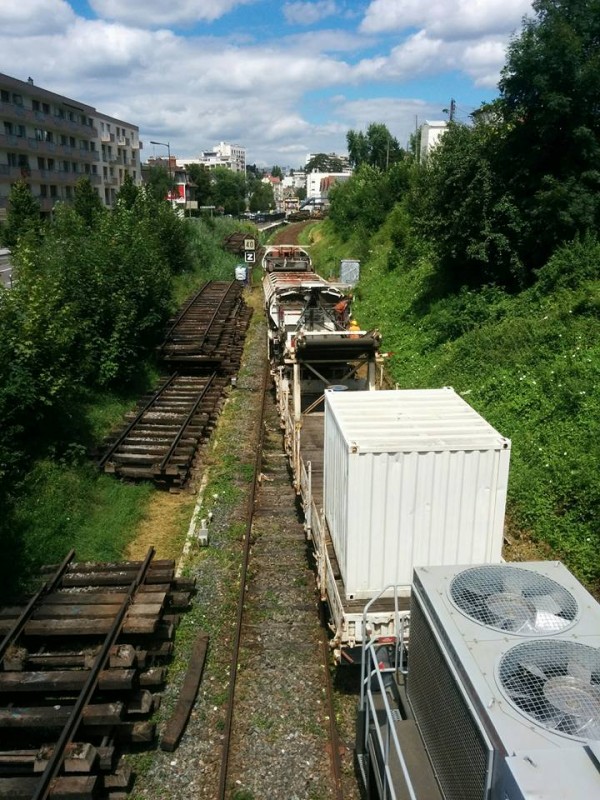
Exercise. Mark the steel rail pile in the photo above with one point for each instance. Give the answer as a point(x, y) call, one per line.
point(204, 343)
point(205, 333)
point(81, 662)
point(160, 440)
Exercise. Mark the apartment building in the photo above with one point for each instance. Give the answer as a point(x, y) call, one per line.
point(51, 141)
point(231, 156)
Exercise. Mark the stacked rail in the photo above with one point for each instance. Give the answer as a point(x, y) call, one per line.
point(82, 662)
point(208, 332)
point(203, 346)
point(162, 435)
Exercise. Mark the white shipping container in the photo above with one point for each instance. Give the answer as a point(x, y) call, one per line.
point(412, 478)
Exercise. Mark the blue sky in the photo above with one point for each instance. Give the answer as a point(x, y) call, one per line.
point(281, 79)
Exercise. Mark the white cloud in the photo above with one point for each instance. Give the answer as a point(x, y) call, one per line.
point(401, 115)
point(34, 17)
point(154, 13)
point(446, 19)
point(307, 13)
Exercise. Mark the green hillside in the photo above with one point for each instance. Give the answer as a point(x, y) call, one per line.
point(528, 362)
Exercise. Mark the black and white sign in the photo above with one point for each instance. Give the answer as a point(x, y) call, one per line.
point(249, 257)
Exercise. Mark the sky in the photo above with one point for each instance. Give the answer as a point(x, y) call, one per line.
point(281, 79)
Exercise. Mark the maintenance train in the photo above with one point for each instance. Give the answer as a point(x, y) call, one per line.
point(480, 679)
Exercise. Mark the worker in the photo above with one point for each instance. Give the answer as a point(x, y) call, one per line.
point(353, 327)
point(341, 311)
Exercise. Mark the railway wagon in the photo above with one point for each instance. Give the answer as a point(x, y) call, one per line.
point(388, 480)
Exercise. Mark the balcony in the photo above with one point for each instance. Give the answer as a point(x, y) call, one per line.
point(123, 141)
point(107, 138)
point(23, 144)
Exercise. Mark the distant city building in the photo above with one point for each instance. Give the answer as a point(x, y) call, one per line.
point(295, 181)
point(51, 141)
point(333, 158)
point(431, 133)
point(277, 186)
point(231, 156)
point(319, 183)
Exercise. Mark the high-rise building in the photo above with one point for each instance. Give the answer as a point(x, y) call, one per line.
point(51, 141)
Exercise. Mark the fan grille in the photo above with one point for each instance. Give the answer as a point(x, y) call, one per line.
point(513, 599)
point(556, 683)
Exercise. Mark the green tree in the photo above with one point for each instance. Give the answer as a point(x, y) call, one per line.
point(459, 204)
point(229, 190)
point(321, 162)
point(23, 215)
point(128, 193)
point(261, 197)
point(159, 182)
point(87, 201)
point(376, 147)
point(277, 172)
point(550, 98)
point(200, 176)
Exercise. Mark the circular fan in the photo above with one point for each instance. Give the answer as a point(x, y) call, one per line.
point(555, 683)
point(513, 599)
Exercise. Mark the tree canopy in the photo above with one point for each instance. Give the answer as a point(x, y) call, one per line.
point(376, 147)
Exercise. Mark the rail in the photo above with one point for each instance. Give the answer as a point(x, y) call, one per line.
point(186, 422)
point(20, 622)
point(128, 428)
point(43, 788)
point(242, 597)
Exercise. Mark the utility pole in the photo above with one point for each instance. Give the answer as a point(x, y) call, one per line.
point(452, 109)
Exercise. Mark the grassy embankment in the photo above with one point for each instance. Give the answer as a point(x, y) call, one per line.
point(64, 501)
point(529, 363)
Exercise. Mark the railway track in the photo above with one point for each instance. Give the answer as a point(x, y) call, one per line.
point(204, 344)
point(162, 435)
point(82, 662)
point(206, 332)
point(279, 645)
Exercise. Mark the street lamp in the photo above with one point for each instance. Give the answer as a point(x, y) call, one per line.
point(168, 146)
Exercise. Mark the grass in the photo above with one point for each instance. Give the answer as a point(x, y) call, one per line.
point(529, 363)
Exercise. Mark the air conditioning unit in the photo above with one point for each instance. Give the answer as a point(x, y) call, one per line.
point(504, 680)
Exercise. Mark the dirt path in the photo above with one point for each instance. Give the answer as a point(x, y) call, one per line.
point(290, 234)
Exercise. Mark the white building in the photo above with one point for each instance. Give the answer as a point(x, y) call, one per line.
point(52, 141)
point(231, 156)
point(431, 133)
point(319, 183)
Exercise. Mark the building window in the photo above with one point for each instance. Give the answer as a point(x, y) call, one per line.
point(49, 136)
point(65, 166)
point(35, 104)
point(87, 169)
point(69, 192)
point(4, 96)
point(43, 190)
point(51, 163)
point(17, 99)
point(74, 166)
point(12, 160)
point(72, 141)
point(53, 192)
point(20, 131)
point(46, 108)
point(8, 128)
point(41, 162)
point(64, 140)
